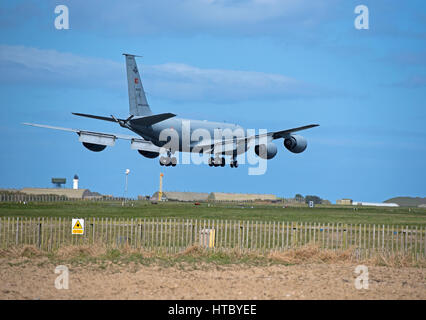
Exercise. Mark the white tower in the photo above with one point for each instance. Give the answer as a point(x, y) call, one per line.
point(75, 182)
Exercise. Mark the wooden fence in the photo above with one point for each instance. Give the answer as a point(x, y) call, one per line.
point(13, 197)
point(175, 235)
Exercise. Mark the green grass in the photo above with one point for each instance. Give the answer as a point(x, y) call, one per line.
point(260, 212)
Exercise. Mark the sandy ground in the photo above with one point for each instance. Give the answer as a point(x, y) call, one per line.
point(35, 280)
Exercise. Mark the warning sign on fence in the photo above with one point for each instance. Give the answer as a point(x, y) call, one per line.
point(77, 226)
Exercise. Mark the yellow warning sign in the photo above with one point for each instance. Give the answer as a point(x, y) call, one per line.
point(77, 226)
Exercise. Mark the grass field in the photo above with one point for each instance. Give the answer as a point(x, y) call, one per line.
point(259, 212)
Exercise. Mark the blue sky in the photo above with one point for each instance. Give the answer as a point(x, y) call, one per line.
point(263, 64)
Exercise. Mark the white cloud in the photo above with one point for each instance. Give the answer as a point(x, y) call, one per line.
point(174, 81)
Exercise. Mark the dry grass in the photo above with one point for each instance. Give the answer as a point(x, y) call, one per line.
point(308, 254)
point(313, 254)
point(191, 250)
point(396, 260)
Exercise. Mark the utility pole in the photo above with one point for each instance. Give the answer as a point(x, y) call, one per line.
point(160, 191)
point(125, 186)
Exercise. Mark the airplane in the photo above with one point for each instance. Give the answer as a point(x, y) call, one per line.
point(151, 129)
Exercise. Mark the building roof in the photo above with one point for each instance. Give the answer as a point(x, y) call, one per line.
point(220, 196)
point(70, 193)
point(183, 196)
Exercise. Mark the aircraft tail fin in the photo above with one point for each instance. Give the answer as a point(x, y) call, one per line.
point(138, 105)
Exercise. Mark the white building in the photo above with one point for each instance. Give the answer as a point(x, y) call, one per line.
point(375, 204)
point(75, 183)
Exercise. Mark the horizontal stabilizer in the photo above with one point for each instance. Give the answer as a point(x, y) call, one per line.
point(95, 117)
point(150, 120)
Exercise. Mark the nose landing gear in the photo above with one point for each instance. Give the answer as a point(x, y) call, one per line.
point(168, 161)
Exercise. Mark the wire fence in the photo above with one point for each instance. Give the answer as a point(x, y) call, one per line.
point(175, 235)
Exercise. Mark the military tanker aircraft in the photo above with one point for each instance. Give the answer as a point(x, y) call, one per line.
point(163, 134)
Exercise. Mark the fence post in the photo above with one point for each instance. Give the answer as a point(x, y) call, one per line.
point(374, 236)
point(39, 233)
point(424, 243)
point(306, 230)
point(17, 231)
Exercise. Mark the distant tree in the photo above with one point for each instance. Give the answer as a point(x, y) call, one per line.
point(315, 199)
point(299, 198)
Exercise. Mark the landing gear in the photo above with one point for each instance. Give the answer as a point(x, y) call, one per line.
point(234, 162)
point(216, 162)
point(168, 161)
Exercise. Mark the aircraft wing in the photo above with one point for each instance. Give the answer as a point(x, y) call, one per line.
point(274, 135)
point(107, 139)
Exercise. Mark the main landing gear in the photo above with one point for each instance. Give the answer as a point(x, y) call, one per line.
point(168, 161)
point(216, 162)
point(220, 162)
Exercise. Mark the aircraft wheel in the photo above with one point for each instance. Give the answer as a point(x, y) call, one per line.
point(174, 162)
point(165, 161)
point(211, 162)
point(222, 162)
point(235, 164)
point(217, 162)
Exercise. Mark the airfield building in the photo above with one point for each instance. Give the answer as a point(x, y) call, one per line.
point(181, 196)
point(347, 202)
point(374, 204)
point(69, 193)
point(220, 196)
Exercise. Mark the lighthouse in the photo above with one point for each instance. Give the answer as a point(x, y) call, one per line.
point(75, 182)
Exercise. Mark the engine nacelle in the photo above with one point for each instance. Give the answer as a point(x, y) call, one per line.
point(267, 151)
point(94, 147)
point(149, 154)
point(295, 143)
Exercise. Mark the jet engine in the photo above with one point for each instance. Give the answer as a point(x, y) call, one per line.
point(267, 151)
point(295, 143)
point(94, 147)
point(149, 154)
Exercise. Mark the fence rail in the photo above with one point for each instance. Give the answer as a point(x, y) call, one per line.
point(175, 235)
point(25, 198)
